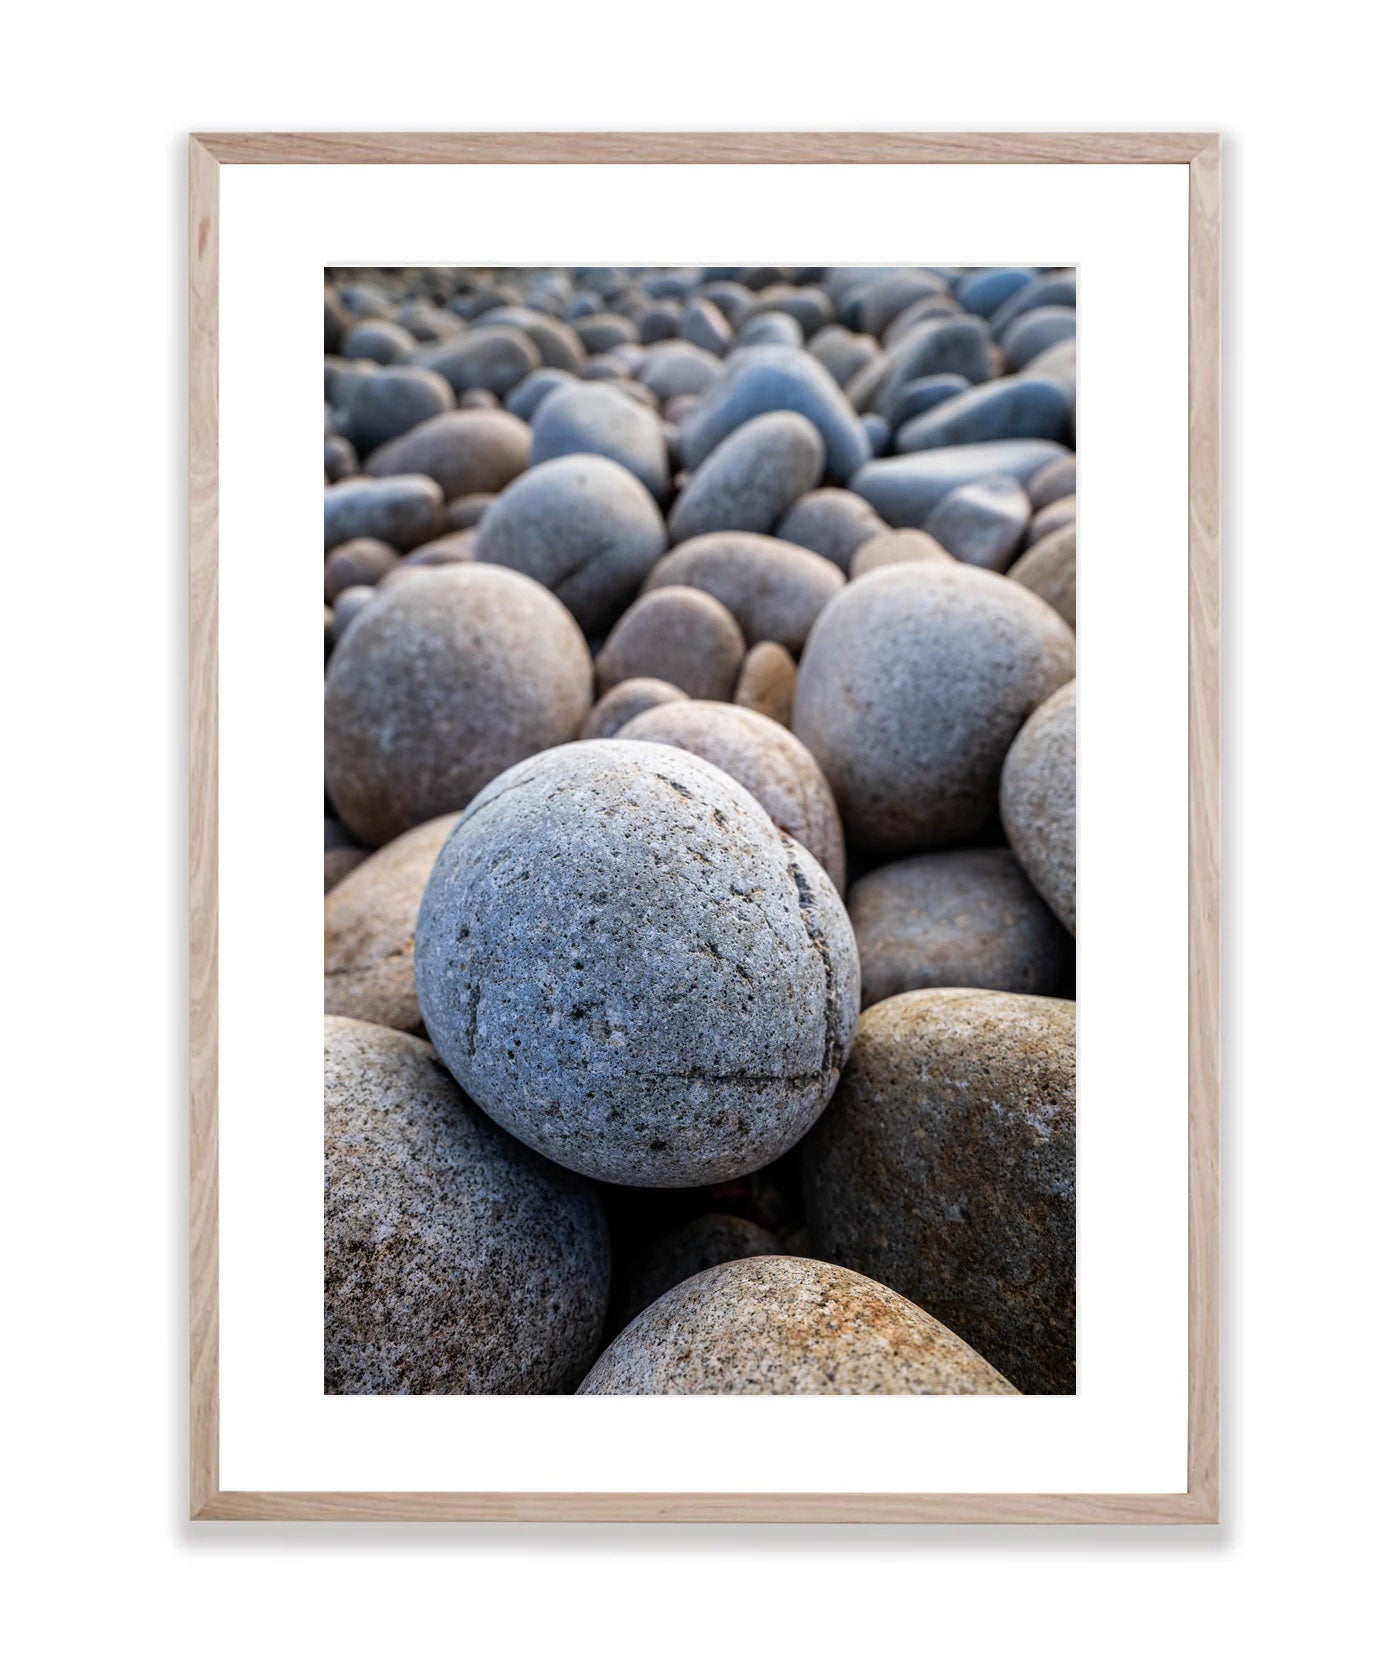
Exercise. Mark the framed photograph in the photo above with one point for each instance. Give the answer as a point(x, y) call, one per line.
point(702, 1109)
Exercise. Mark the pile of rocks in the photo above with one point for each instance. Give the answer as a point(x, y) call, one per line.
point(700, 831)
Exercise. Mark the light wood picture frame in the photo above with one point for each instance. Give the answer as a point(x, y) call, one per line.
point(1200, 153)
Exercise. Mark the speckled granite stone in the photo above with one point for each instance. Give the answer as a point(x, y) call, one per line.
point(945, 1167)
point(1039, 800)
point(456, 1262)
point(626, 965)
point(782, 1325)
point(710, 1239)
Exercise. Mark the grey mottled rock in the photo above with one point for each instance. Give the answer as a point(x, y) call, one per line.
point(760, 380)
point(378, 341)
point(625, 964)
point(557, 342)
point(982, 523)
point(945, 1168)
point(711, 1239)
point(470, 451)
point(597, 419)
point(347, 607)
point(703, 324)
point(361, 560)
point(1018, 407)
point(905, 489)
point(441, 684)
point(766, 682)
point(1053, 481)
point(761, 756)
point(752, 478)
point(894, 548)
point(491, 359)
point(783, 1325)
point(683, 636)
point(456, 1262)
point(465, 513)
point(959, 918)
point(674, 369)
point(832, 523)
point(392, 402)
point(885, 299)
point(774, 589)
point(911, 689)
point(401, 511)
point(628, 699)
point(534, 388)
point(369, 923)
point(1035, 332)
point(1050, 569)
point(1052, 517)
point(582, 526)
point(1038, 801)
point(603, 332)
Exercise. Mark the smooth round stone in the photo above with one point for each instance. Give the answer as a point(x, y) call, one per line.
point(456, 1262)
point(582, 526)
point(982, 523)
point(347, 607)
point(1050, 569)
point(401, 511)
point(1038, 801)
point(1035, 332)
point(627, 700)
point(361, 560)
point(916, 313)
point(960, 918)
point(596, 419)
point(558, 344)
point(447, 550)
point(491, 359)
point(392, 402)
point(1052, 482)
point(752, 479)
point(783, 1325)
point(340, 861)
point(468, 452)
point(378, 341)
point(809, 306)
point(766, 682)
point(600, 333)
point(661, 321)
point(369, 923)
point(762, 379)
point(945, 1168)
point(711, 1239)
point(770, 327)
point(340, 458)
point(465, 513)
point(337, 321)
point(832, 523)
point(761, 756)
point(843, 354)
point(911, 689)
point(442, 684)
point(894, 548)
point(1039, 292)
point(703, 325)
point(534, 388)
point(1019, 407)
point(982, 291)
point(1053, 517)
point(950, 344)
point(674, 369)
point(877, 432)
point(683, 636)
point(478, 399)
point(625, 963)
point(905, 489)
point(919, 396)
point(885, 299)
point(774, 589)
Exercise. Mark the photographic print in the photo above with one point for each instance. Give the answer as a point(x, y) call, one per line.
point(700, 742)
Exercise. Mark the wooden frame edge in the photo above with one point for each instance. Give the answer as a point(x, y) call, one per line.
point(1200, 1503)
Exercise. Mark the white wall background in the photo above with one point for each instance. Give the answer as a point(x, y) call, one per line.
point(91, 401)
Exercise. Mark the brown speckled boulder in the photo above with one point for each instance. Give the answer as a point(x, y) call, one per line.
point(456, 1262)
point(945, 1167)
point(782, 1325)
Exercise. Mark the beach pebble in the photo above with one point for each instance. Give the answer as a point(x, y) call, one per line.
point(920, 396)
point(1035, 332)
point(911, 689)
point(1052, 482)
point(558, 344)
point(950, 344)
point(684, 636)
point(832, 523)
point(347, 606)
point(442, 684)
point(602, 332)
point(983, 290)
point(369, 923)
point(769, 327)
point(465, 513)
point(1050, 569)
point(759, 380)
point(1052, 517)
point(597, 419)
point(703, 324)
point(492, 359)
point(1039, 292)
point(401, 511)
point(945, 1167)
point(626, 965)
point(905, 489)
point(1038, 802)
point(468, 452)
point(885, 299)
point(708, 1240)
point(361, 560)
point(340, 860)
point(784, 1325)
point(893, 548)
point(378, 341)
point(877, 432)
point(763, 757)
point(958, 918)
point(766, 682)
point(392, 402)
point(982, 523)
point(340, 458)
point(774, 589)
point(1018, 407)
point(584, 527)
point(628, 699)
point(456, 1262)
point(752, 478)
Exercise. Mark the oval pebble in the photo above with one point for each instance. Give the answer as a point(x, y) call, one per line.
point(832, 523)
point(467, 452)
point(401, 511)
point(1035, 332)
point(392, 402)
point(766, 682)
point(905, 489)
point(1053, 517)
point(1049, 569)
point(491, 359)
point(1053, 481)
point(982, 523)
point(361, 560)
point(894, 548)
point(774, 589)
point(597, 419)
point(1018, 407)
point(683, 636)
point(752, 478)
point(1038, 801)
point(627, 966)
point(626, 700)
